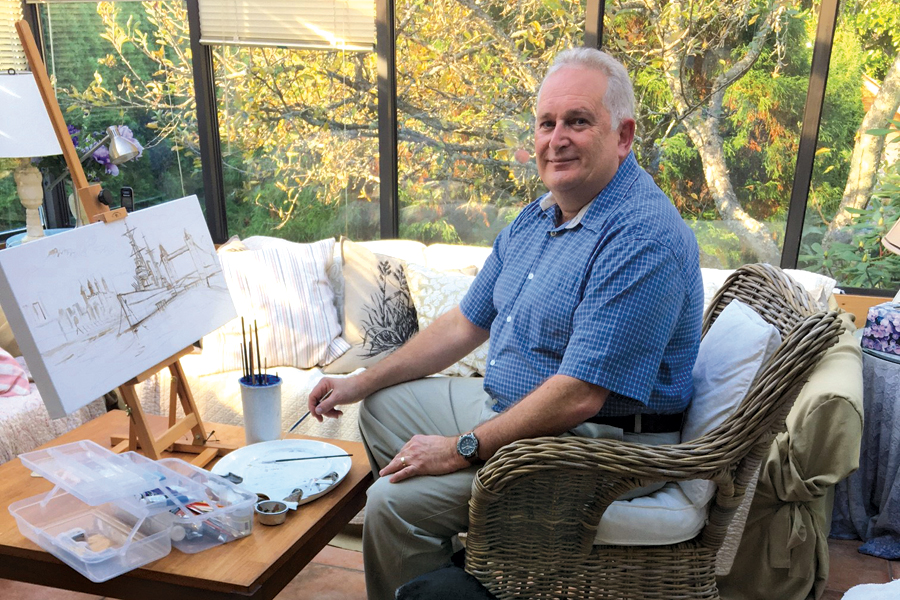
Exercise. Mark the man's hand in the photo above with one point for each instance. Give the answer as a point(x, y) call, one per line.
point(425, 455)
point(329, 394)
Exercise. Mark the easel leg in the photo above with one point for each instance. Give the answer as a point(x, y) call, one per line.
point(173, 399)
point(139, 434)
point(139, 431)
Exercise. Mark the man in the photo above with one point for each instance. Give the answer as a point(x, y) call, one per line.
point(592, 299)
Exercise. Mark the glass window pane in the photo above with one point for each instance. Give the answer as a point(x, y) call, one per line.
point(299, 139)
point(720, 89)
point(467, 74)
point(12, 213)
point(855, 191)
point(126, 63)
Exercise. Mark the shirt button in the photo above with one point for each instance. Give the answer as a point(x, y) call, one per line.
point(531, 276)
point(493, 362)
point(552, 234)
point(508, 319)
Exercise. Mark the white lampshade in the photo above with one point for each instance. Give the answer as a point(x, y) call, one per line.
point(25, 128)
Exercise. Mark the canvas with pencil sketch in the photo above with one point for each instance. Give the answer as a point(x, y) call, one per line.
point(97, 305)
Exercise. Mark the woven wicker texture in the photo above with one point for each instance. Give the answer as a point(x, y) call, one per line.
point(537, 503)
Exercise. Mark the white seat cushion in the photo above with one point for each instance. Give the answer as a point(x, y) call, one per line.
point(664, 517)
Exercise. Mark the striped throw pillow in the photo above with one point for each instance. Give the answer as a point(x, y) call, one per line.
point(285, 291)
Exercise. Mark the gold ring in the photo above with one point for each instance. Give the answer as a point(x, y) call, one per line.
point(403, 460)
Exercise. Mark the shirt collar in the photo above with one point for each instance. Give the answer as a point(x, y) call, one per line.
point(621, 181)
point(548, 201)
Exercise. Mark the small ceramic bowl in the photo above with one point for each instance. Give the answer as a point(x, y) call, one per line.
point(271, 512)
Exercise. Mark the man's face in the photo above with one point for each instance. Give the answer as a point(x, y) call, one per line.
point(577, 151)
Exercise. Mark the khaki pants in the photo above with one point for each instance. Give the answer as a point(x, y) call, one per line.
point(411, 526)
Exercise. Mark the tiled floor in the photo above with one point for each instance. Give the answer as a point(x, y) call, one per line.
point(849, 568)
point(336, 574)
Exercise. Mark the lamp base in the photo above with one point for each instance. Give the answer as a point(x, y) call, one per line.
point(31, 195)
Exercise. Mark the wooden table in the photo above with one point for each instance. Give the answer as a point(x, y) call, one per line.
point(256, 567)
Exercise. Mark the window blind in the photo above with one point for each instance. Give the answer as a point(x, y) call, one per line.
point(11, 54)
point(322, 24)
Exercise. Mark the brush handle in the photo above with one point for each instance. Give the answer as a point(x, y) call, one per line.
point(280, 460)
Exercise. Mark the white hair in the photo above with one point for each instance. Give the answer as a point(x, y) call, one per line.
point(619, 96)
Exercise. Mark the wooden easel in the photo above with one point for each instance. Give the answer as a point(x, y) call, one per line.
point(139, 435)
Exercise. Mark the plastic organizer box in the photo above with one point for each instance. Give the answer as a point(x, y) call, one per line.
point(111, 513)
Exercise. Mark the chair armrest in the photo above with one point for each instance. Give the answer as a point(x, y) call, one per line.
point(610, 459)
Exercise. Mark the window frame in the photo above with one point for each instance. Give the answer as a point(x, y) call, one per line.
point(385, 48)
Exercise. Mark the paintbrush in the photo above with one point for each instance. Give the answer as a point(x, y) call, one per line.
point(269, 462)
point(259, 380)
point(300, 420)
point(244, 349)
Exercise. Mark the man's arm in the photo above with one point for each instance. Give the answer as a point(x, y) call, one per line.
point(559, 404)
point(448, 339)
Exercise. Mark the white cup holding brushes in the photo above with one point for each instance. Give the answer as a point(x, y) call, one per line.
point(261, 400)
point(260, 393)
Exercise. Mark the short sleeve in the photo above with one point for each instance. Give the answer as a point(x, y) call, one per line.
point(478, 303)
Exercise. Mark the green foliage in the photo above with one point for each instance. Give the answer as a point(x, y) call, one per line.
point(842, 111)
point(299, 128)
point(430, 232)
point(862, 261)
point(876, 24)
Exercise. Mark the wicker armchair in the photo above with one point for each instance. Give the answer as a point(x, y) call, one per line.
point(536, 504)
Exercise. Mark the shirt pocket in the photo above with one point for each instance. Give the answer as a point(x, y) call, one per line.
point(552, 321)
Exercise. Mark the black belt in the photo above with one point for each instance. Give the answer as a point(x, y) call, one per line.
point(642, 423)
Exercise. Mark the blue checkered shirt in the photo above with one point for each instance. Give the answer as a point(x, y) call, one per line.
point(615, 300)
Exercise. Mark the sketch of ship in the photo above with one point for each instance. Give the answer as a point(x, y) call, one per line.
point(159, 279)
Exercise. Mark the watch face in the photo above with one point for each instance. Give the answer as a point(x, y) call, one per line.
point(467, 445)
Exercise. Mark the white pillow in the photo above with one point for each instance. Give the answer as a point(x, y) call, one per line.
point(730, 356)
point(819, 286)
point(285, 289)
point(434, 293)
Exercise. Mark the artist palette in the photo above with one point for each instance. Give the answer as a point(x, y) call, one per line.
point(266, 468)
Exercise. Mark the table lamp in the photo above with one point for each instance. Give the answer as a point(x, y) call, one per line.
point(121, 150)
point(25, 133)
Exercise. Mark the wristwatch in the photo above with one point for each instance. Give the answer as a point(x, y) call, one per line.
point(467, 446)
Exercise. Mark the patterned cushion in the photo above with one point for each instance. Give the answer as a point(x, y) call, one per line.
point(285, 291)
point(379, 315)
point(434, 293)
